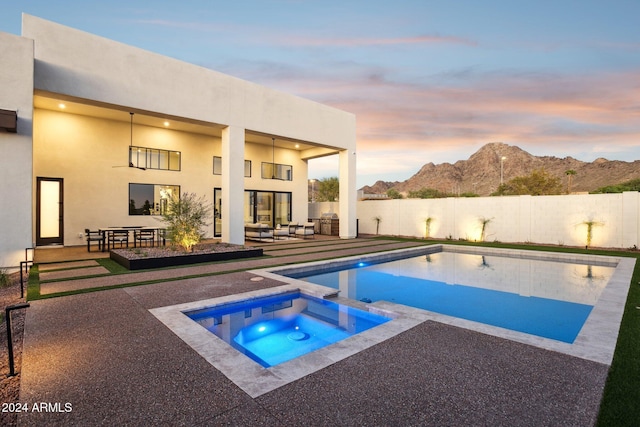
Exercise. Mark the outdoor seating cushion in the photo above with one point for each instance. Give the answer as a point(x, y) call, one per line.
point(259, 231)
point(306, 230)
point(281, 231)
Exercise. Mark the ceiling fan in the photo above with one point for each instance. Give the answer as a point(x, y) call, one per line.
point(131, 165)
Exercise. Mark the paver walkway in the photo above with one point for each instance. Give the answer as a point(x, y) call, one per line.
point(67, 265)
point(275, 255)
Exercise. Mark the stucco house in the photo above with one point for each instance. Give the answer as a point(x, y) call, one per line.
point(95, 133)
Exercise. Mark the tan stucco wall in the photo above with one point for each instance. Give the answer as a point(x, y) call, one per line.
point(83, 150)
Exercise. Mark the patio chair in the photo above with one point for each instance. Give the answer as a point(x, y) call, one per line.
point(143, 236)
point(306, 230)
point(162, 236)
point(281, 232)
point(94, 236)
point(119, 236)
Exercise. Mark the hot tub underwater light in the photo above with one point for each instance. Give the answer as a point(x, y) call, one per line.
point(298, 336)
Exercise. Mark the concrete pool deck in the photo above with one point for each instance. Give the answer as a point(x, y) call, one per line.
point(115, 363)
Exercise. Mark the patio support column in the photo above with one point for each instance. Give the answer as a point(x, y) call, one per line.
point(232, 185)
point(347, 193)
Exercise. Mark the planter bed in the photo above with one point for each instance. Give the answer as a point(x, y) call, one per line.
point(145, 258)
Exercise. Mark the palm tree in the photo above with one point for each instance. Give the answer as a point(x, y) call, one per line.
point(483, 224)
point(570, 174)
point(378, 220)
point(591, 224)
point(427, 231)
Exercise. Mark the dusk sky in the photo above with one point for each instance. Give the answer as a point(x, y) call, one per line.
point(429, 81)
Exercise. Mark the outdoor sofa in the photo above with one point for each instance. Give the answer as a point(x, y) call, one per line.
point(258, 231)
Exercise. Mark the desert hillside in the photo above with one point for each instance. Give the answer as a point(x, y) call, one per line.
point(480, 173)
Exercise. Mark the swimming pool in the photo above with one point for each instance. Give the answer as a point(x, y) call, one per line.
point(596, 340)
point(545, 298)
point(275, 329)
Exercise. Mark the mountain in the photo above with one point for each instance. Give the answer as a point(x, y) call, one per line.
point(480, 173)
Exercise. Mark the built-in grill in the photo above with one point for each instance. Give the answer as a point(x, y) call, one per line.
point(329, 224)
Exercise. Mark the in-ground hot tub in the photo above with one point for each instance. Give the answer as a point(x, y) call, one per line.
point(275, 329)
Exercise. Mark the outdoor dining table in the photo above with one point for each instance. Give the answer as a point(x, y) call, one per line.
point(106, 231)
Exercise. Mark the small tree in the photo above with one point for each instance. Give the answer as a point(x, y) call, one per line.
point(378, 220)
point(185, 217)
point(633, 185)
point(540, 182)
point(427, 193)
point(4, 278)
point(427, 227)
point(483, 226)
point(591, 224)
point(328, 189)
point(392, 193)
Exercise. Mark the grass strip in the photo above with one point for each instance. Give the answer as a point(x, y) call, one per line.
point(619, 406)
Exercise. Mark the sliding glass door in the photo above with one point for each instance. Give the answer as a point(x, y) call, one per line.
point(217, 212)
point(265, 207)
point(282, 208)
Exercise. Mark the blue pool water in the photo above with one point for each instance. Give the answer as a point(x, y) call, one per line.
point(273, 330)
point(543, 298)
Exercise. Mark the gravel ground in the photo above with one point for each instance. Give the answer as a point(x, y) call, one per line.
point(10, 386)
point(164, 251)
point(117, 365)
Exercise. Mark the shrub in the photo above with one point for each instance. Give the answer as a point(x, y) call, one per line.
point(633, 185)
point(4, 278)
point(185, 218)
point(540, 182)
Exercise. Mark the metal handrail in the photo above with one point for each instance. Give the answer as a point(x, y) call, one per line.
point(26, 264)
point(8, 311)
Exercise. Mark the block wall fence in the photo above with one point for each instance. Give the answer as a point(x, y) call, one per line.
point(557, 220)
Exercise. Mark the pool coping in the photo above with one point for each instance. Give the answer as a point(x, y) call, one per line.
point(597, 338)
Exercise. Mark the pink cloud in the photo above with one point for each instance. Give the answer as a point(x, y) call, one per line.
point(559, 114)
point(401, 126)
point(595, 109)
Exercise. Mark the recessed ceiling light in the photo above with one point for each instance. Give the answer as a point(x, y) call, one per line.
point(166, 124)
point(297, 145)
point(61, 105)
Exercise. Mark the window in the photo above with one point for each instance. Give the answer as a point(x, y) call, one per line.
point(151, 199)
point(277, 171)
point(267, 207)
point(152, 158)
point(217, 167)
